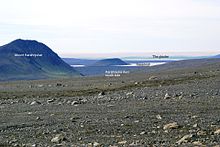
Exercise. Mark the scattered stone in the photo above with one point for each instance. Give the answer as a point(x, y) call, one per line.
point(136, 83)
point(184, 139)
point(181, 96)
point(154, 132)
point(58, 138)
point(152, 78)
point(198, 143)
point(38, 118)
point(201, 133)
point(145, 98)
point(194, 116)
point(167, 96)
point(158, 117)
point(40, 85)
point(193, 95)
point(102, 93)
point(195, 125)
point(89, 145)
point(122, 142)
point(110, 106)
point(129, 116)
point(35, 103)
point(73, 119)
point(58, 84)
point(83, 100)
point(75, 103)
point(58, 145)
point(142, 133)
point(68, 102)
point(173, 125)
point(50, 101)
point(129, 93)
point(136, 121)
point(13, 141)
point(217, 132)
point(28, 145)
point(96, 144)
point(16, 145)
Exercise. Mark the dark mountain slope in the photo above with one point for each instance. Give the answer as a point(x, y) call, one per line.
point(28, 59)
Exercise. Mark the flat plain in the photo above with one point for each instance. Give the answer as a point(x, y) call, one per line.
point(162, 107)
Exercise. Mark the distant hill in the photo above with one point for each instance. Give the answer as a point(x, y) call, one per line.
point(109, 62)
point(192, 64)
point(74, 61)
point(29, 59)
point(217, 56)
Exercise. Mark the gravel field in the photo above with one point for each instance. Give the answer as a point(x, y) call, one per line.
point(160, 108)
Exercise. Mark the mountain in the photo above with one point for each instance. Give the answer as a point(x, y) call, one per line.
point(109, 62)
point(74, 61)
point(29, 59)
point(217, 56)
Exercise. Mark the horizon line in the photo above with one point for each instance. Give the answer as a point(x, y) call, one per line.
point(137, 54)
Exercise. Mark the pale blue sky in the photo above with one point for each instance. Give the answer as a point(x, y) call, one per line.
point(77, 28)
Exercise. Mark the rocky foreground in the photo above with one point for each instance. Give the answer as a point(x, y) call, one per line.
point(170, 108)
